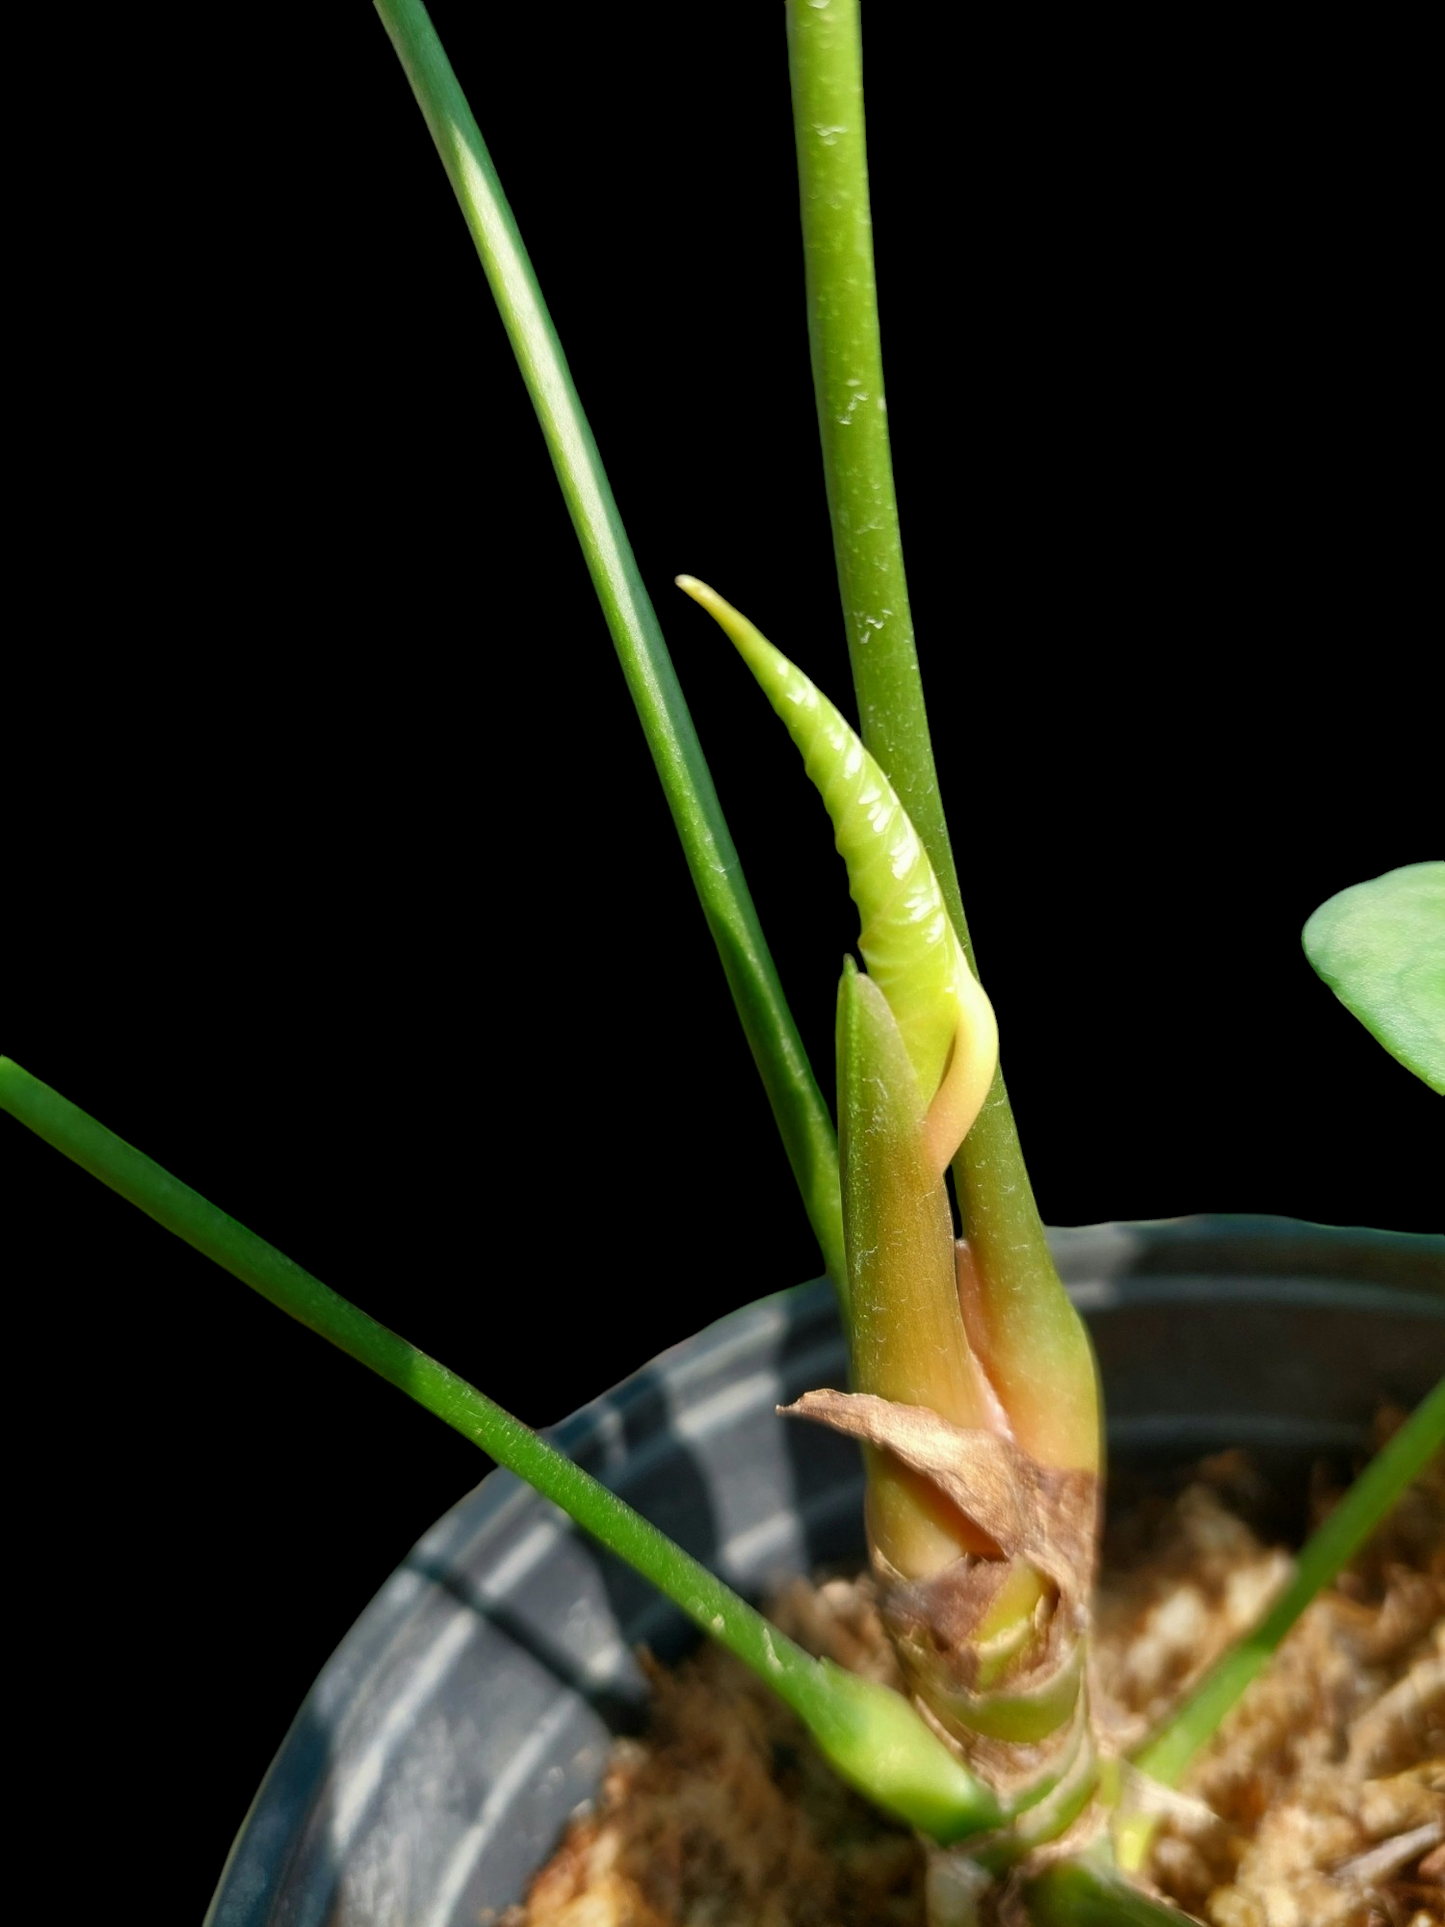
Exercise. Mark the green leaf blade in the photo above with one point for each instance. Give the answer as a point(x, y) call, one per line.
point(1380, 946)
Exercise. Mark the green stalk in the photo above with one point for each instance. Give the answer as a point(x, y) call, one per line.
point(1336, 1542)
point(797, 1103)
point(1087, 1892)
point(870, 1734)
point(825, 59)
point(825, 56)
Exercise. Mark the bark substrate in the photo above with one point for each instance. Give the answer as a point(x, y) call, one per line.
point(1320, 1804)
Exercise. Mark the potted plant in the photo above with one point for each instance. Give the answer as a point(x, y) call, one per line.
point(221, 972)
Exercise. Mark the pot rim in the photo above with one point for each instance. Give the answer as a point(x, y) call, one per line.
point(1119, 1274)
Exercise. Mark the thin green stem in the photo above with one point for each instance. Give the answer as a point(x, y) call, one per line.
point(825, 59)
point(1347, 1528)
point(798, 1106)
point(826, 62)
point(870, 1734)
point(1087, 1892)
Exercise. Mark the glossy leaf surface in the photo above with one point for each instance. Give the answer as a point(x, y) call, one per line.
point(1380, 946)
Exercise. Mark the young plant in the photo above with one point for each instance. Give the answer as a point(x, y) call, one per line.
point(1018, 1615)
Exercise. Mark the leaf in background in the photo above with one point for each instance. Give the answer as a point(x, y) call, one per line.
point(1380, 946)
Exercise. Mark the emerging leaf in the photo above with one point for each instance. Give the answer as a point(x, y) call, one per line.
point(1380, 946)
point(907, 940)
point(983, 1551)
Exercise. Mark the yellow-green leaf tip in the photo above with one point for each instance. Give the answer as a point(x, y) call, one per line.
point(907, 938)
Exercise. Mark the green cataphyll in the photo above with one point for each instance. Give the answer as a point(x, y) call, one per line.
point(973, 1388)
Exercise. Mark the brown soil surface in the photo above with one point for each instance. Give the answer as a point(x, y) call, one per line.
point(1320, 1804)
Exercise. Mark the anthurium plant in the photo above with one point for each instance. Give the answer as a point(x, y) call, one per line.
point(972, 1389)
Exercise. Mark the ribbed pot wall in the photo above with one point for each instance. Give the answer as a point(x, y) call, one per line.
point(469, 1710)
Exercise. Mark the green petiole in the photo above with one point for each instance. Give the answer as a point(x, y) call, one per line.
point(797, 1103)
point(1088, 1892)
point(870, 1734)
point(1036, 1341)
point(1358, 1513)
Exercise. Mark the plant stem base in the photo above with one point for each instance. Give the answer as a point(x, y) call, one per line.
point(723, 1806)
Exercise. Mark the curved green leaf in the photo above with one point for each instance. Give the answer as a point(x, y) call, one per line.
point(1380, 946)
point(907, 938)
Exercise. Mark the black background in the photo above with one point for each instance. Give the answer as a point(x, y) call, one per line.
point(341, 884)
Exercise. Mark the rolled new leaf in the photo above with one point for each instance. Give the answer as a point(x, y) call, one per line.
point(907, 940)
point(1021, 1327)
point(984, 1553)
